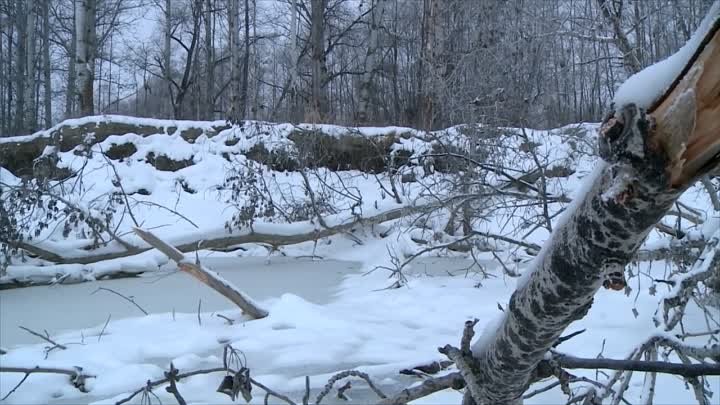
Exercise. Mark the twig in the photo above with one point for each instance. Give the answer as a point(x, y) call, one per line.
point(306, 396)
point(273, 393)
point(122, 189)
point(429, 386)
point(131, 300)
point(341, 391)
point(463, 363)
point(198, 312)
point(563, 339)
point(105, 326)
point(45, 338)
point(468, 333)
point(229, 321)
point(344, 374)
point(161, 381)
point(685, 370)
point(77, 377)
point(172, 376)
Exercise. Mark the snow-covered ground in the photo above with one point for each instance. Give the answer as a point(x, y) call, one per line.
point(325, 316)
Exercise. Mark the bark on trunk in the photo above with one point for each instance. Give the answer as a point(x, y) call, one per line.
point(630, 58)
point(21, 28)
point(167, 56)
point(245, 67)
point(234, 115)
point(85, 54)
point(648, 160)
point(209, 63)
point(318, 96)
point(47, 92)
point(366, 91)
point(29, 113)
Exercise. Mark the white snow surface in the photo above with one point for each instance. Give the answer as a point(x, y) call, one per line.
point(355, 323)
point(644, 87)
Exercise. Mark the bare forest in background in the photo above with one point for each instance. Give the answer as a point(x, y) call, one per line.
point(427, 64)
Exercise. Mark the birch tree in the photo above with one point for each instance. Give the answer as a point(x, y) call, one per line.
point(85, 54)
point(650, 155)
point(318, 69)
point(373, 60)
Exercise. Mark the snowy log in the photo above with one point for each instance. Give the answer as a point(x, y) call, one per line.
point(207, 277)
point(238, 238)
point(649, 158)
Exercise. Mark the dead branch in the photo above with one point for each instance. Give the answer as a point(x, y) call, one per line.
point(128, 299)
point(684, 370)
point(207, 277)
point(77, 377)
point(45, 338)
point(172, 376)
point(178, 377)
point(231, 240)
point(345, 374)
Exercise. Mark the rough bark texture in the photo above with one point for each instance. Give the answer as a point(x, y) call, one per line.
point(30, 100)
point(318, 95)
point(85, 54)
point(47, 85)
point(366, 91)
point(646, 167)
point(234, 115)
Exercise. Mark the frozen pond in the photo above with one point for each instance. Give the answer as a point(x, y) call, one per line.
point(76, 306)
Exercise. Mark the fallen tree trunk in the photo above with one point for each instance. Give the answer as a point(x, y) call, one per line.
point(207, 277)
point(649, 159)
point(272, 239)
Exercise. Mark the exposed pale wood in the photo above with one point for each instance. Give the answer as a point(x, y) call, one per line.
point(697, 89)
point(212, 280)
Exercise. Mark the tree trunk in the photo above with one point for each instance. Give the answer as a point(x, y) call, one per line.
point(318, 97)
point(246, 61)
point(47, 92)
point(30, 99)
point(167, 57)
point(648, 161)
point(367, 89)
point(85, 54)
point(428, 80)
point(21, 28)
point(631, 62)
point(234, 114)
point(209, 64)
point(71, 89)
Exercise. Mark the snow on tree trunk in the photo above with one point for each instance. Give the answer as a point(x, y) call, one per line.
point(649, 159)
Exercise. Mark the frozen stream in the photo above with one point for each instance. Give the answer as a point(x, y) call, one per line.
point(77, 306)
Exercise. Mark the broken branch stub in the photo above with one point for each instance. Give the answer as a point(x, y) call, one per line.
point(207, 277)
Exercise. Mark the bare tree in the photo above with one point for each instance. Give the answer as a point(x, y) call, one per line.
point(85, 50)
point(47, 69)
point(318, 95)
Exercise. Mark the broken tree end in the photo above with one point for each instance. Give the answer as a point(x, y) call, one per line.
point(687, 117)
